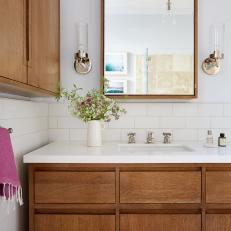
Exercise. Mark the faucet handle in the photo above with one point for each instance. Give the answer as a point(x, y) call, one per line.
point(167, 137)
point(131, 137)
point(150, 137)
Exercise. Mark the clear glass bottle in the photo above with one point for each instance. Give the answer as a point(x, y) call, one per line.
point(210, 137)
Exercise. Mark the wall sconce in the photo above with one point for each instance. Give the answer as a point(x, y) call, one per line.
point(82, 62)
point(212, 65)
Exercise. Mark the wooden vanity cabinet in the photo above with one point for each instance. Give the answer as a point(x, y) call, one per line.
point(29, 47)
point(129, 197)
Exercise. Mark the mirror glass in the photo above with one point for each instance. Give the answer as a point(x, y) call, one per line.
point(149, 47)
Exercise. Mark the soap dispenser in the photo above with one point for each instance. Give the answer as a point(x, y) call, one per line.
point(210, 137)
point(222, 140)
point(209, 141)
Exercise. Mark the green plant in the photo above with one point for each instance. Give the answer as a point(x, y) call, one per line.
point(92, 106)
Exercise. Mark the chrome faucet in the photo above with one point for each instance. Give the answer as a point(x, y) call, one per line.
point(150, 139)
point(167, 137)
point(131, 137)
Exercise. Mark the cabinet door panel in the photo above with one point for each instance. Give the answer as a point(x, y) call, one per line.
point(160, 187)
point(160, 222)
point(218, 187)
point(74, 187)
point(49, 222)
point(218, 222)
point(13, 40)
point(44, 55)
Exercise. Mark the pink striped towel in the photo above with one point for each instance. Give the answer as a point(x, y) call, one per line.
point(10, 187)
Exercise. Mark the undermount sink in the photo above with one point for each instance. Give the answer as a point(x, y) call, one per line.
point(166, 148)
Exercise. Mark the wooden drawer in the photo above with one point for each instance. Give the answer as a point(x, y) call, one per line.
point(160, 187)
point(48, 222)
point(74, 187)
point(218, 187)
point(160, 222)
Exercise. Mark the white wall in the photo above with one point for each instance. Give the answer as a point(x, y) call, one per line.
point(30, 123)
point(211, 89)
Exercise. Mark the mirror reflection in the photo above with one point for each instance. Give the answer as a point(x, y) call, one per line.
point(149, 47)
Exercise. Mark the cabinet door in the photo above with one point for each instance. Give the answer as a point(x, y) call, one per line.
point(218, 222)
point(44, 52)
point(218, 187)
point(49, 222)
point(160, 222)
point(13, 40)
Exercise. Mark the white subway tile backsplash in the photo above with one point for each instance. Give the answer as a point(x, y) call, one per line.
point(78, 134)
point(193, 122)
point(53, 122)
point(146, 122)
point(187, 121)
point(185, 135)
point(159, 109)
point(29, 142)
point(58, 110)
point(223, 122)
point(70, 122)
point(135, 109)
point(210, 110)
point(172, 122)
point(227, 109)
point(1, 109)
point(23, 109)
point(185, 109)
point(59, 134)
point(123, 122)
point(25, 125)
point(111, 135)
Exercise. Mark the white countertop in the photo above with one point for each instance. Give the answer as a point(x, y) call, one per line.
point(74, 152)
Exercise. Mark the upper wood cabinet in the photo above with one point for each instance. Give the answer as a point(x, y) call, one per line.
point(13, 63)
point(29, 46)
point(44, 43)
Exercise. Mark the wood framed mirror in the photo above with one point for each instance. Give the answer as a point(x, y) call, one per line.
point(149, 49)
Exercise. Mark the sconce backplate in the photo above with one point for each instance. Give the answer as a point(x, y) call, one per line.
point(211, 66)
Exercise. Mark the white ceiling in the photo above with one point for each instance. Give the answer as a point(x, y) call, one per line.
point(147, 6)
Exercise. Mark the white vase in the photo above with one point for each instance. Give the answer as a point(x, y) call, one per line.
point(94, 133)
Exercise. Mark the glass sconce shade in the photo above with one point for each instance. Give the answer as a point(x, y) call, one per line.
point(217, 40)
point(212, 64)
point(82, 63)
point(82, 36)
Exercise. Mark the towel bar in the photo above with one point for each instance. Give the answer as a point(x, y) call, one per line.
point(10, 130)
